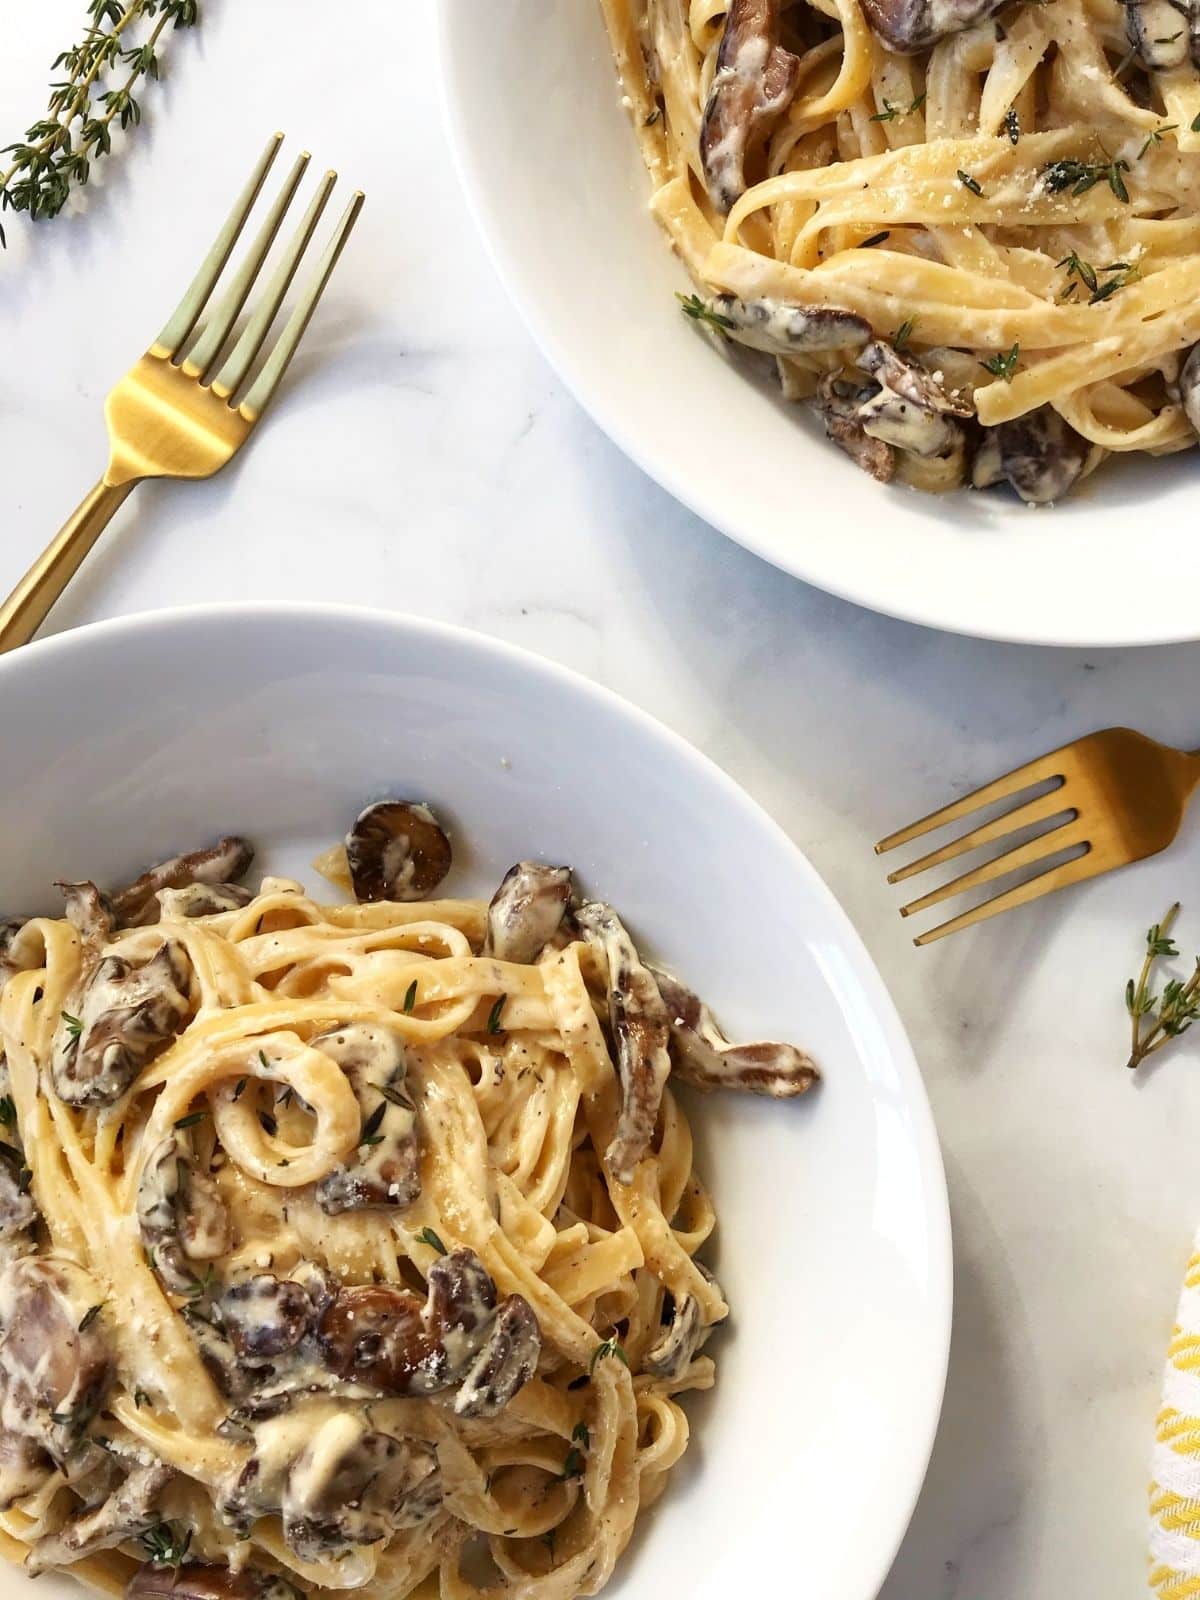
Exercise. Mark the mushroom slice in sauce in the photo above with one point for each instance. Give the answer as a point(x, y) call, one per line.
point(839, 403)
point(266, 1316)
point(197, 1581)
point(386, 1168)
point(753, 85)
point(706, 1058)
point(24, 1467)
point(221, 863)
point(684, 1335)
point(783, 329)
point(906, 26)
point(640, 1030)
point(18, 1211)
point(397, 850)
point(127, 1015)
point(506, 1362)
point(56, 1362)
point(89, 911)
point(1155, 29)
point(1189, 393)
point(203, 899)
point(352, 1485)
point(19, 951)
point(384, 1337)
point(1039, 454)
point(527, 911)
point(126, 1513)
point(180, 1213)
point(911, 411)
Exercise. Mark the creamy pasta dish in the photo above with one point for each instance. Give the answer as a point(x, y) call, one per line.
point(347, 1246)
point(966, 231)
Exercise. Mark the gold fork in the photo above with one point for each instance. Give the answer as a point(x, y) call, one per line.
point(1117, 797)
point(180, 412)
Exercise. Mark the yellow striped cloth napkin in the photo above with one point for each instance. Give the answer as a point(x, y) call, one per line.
point(1175, 1472)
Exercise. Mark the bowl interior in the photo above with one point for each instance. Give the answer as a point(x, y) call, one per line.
point(129, 741)
point(551, 167)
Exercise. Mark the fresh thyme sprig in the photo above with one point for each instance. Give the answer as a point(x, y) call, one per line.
point(692, 306)
point(1004, 364)
point(1155, 136)
point(96, 90)
point(1168, 1014)
point(164, 1545)
point(1122, 273)
point(1080, 176)
point(891, 112)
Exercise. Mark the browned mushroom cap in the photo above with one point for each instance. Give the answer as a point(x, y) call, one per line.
point(1039, 454)
point(706, 1058)
point(381, 1335)
point(18, 950)
point(24, 1467)
point(352, 1485)
point(204, 899)
point(56, 1360)
point(839, 402)
point(1189, 393)
point(783, 329)
point(752, 86)
point(397, 851)
point(89, 911)
point(1156, 30)
point(196, 1581)
point(265, 1316)
point(505, 1364)
point(385, 1170)
point(180, 1213)
point(527, 911)
point(683, 1336)
point(907, 26)
point(910, 411)
point(640, 1029)
point(127, 1015)
point(224, 862)
point(127, 1512)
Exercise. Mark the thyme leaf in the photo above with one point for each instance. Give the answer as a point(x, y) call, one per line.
point(1003, 365)
point(700, 311)
point(1157, 1019)
point(427, 1236)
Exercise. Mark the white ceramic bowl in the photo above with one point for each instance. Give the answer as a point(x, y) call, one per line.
point(129, 740)
point(550, 165)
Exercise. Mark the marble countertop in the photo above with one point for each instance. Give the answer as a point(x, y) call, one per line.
point(426, 459)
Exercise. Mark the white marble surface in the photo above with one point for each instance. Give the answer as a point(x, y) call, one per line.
point(425, 458)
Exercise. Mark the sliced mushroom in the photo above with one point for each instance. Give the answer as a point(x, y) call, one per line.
point(906, 26)
point(89, 911)
point(783, 329)
point(383, 1336)
point(126, 1513)
point(56, 1360)
point(911, 411)
point(222, 863)
point(265, 1316)
point(19, 950)
point(706, 1058)
point(197, 1581)
point(180, 1213)
point(640, 1029)
point(684, 1335)
point(1189, 394)
point(18, 1211)
point(1039, 454)
point(203, 899)
point(505, 1364)
point(397, 850)
point(127, 1015)
point(386, 1168)
point(527, 911)
point(753, 85)
point(24, 1467)
point(839, 403)
point(1160, 33)
point(352, 1485)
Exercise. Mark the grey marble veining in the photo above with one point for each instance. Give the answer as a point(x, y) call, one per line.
point(424, 458)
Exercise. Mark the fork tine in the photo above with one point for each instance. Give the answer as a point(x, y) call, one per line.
point(267, 382)
point(183, 319)
point(1039, 810)
point(216, 330)
point(1076, 870)
point(1048, 766)
point(242, 357)
point(1021, 855)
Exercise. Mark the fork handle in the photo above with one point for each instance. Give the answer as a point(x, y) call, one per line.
point(28, 606)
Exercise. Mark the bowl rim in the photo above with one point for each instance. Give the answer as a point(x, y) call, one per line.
point(573, 373)
point(263, 614)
